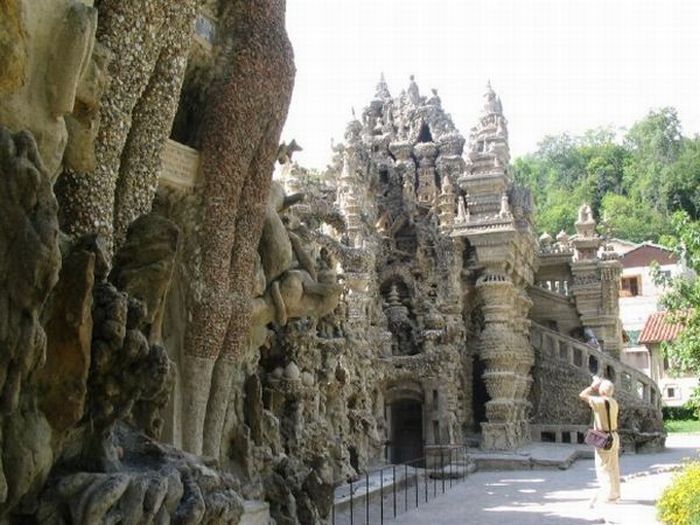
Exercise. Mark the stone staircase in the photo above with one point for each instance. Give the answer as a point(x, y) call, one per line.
point(634, 389)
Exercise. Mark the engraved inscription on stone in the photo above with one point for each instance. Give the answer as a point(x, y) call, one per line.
point(205, 29)
point(180, 165)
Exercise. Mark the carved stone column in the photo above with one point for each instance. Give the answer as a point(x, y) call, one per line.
point(508, 357)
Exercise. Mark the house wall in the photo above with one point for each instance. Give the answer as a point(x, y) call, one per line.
point(634, 312)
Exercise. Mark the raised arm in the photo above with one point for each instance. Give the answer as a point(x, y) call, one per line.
point(590, 390)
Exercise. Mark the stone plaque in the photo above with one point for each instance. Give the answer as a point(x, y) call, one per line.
point(205, 29)
point(180, 165)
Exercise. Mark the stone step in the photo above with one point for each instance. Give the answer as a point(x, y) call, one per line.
point(537, 456)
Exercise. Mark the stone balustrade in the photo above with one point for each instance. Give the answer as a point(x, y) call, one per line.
point(555, 249)
point(561, 286)
point(573, 434)
point(628, 380)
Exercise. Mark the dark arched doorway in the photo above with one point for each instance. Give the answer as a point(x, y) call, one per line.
point(480, 395)
point(406, 430)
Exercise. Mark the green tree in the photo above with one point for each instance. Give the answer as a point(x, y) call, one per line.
point(636, 183)
point(628, 219)
point(681, 187)
point(654, 144)
point(567, 171)
point(683, 297)
point(605, 168)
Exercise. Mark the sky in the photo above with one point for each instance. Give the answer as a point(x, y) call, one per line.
point(558, 65)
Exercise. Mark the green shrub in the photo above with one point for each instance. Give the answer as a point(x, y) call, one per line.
point(694, 402)
point(675, 413)
point(680, 502)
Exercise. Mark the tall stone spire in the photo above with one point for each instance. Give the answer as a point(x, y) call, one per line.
point(487, 177)
point(413, 92)
point(382, 92)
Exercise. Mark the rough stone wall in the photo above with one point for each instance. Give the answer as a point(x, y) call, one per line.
point(78, 361)
point(29, 268)
point(555, 394)
point(85, 377)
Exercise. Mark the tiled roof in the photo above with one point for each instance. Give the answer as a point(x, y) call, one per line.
point(644, 254)
point(658, 329)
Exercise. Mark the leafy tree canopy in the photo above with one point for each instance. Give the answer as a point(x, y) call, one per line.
point(683, 297)
point(634, 182)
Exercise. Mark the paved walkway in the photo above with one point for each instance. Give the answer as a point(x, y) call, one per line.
point(558, 497)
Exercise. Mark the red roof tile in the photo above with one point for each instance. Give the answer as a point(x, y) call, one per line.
point(658, 329)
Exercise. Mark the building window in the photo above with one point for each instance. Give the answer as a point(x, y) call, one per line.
point(672, 392)
point(632, 337)
point(630, 286)
point(436, 432)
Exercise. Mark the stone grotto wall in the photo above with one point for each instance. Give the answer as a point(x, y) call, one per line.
point(88, 96)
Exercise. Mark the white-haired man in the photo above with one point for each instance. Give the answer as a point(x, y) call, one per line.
point(599, 396)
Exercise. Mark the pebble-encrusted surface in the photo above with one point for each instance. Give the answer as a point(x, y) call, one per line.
point(240, 138)
point(149, 41)
point(239, 144)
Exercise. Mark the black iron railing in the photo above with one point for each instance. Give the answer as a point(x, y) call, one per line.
point(385, 493)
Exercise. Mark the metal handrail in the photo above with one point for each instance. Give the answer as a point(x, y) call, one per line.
point(378, 491)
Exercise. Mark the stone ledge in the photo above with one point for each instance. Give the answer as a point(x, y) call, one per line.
point(536, 456)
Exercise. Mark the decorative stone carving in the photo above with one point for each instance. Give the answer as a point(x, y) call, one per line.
point(157, 483)
point(505, 251)
point(143, 267)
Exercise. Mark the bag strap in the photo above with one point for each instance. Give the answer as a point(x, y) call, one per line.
point(607, 409)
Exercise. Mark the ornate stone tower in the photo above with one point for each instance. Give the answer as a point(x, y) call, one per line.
point(396, 193)
point(439, 258)
point(495, 218)
point(596, 276)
